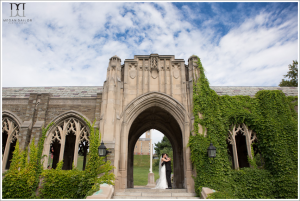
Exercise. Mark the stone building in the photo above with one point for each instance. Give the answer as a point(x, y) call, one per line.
point(143, 145)
point(146, 92)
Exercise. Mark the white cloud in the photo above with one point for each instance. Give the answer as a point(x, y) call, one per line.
point(69, 44)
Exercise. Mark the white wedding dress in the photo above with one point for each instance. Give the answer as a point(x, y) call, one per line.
point(162, 181)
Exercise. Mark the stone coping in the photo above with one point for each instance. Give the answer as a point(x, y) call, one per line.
point(106, 192)
point(91, 91)
point(57, 92)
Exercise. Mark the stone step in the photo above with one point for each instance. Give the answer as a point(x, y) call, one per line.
point(148, 193)
point(164, 194)
point(149, 190)
point(158, 197)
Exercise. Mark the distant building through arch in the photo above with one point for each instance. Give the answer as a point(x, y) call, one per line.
point(143, 145)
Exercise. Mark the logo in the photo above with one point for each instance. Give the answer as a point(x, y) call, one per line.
point(16, 6)
point(17, 14)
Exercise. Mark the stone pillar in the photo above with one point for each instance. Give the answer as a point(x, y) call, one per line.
point(151, 182)
point(26, 127)
point(41, 108)
point(112, 89)
point(109, 115)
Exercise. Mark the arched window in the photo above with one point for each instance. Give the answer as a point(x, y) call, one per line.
point(67, 141)
point(10, 134)
point(239, 145)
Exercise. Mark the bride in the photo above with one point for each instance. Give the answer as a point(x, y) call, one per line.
point(162, 181)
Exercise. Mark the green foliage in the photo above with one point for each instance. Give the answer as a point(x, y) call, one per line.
point(252, 183)
point(292, 76)
point(252, 161)
point(270, 114)
point(22, 178)
point(76, 184)
point(65, 184)
point(164, 143)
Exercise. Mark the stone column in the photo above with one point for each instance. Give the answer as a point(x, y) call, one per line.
point(42, 104)
point(26, 127)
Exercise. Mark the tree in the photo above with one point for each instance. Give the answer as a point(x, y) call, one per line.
point(164, 144)
point(292, 76)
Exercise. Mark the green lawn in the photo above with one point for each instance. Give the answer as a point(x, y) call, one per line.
point(79, 162)
point(141, 166)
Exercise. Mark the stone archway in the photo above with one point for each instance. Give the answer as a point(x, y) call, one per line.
point(157, 118)
point(154, 110)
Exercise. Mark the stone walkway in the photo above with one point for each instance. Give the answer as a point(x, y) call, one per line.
point(142, 192)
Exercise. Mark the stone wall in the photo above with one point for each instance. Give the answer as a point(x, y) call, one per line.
point(146, 92)
point(34, 108)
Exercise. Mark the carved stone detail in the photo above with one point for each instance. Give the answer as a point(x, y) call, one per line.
point(59, 133)
point(250, 137)
point(176, 71)
point(154, 62)
point(132, 70)
point(11, 128)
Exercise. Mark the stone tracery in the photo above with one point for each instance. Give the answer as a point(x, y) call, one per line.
point(250, 138)
point(69, 132)
point(10, 134)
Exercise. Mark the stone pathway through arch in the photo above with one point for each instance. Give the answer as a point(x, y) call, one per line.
point(140, 192)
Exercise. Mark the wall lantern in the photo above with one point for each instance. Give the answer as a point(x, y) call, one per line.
point(211, 151)
point(102, 150)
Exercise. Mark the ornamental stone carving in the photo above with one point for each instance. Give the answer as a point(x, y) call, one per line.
point(250, 137)
point(176, 71)
point(154, 66)
point(10, 128)
point(60, 132)
point(132, 71)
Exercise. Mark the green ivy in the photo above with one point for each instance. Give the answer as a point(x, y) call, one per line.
point(21, 181)
point(75, 184)
point(22, 178)
point(271, 115)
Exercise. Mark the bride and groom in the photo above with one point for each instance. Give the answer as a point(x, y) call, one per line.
point(164, 181)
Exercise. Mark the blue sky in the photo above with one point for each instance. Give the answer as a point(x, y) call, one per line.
point(69, 44)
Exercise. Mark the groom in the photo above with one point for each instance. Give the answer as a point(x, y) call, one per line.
point(168, 170)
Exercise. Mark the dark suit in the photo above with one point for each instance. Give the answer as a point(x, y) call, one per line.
point(168, 172)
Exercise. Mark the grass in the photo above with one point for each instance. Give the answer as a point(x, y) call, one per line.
point(141, 166)
point(79, 162)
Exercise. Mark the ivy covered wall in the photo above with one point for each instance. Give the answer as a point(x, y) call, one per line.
point(271, 115)
point(27, 179)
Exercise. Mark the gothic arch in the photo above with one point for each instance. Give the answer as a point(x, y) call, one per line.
point(141, 103)
point(10, 126)
point(250, 137)
point(64, 124)
point(169, 107)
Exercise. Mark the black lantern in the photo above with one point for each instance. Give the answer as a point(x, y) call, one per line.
point(211, 151)
point(102, 150)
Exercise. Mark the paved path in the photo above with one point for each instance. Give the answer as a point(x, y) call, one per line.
point(142, 192)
